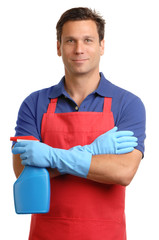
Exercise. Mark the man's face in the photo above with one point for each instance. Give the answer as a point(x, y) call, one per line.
point(80, 47)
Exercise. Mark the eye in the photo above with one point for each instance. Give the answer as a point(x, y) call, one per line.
point(70, 41)
point(88, 40)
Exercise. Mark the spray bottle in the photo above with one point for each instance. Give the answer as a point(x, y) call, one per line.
point(32, 189)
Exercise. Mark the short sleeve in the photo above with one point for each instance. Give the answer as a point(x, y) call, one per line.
point(26, 124)
point(133, 118)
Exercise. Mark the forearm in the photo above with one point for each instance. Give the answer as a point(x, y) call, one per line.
point(114, 169)
point(18, 167)
point(53, 172)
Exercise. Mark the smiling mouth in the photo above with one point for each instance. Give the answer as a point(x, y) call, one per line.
point(79, 60)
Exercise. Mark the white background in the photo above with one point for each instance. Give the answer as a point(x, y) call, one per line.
point(28, 62)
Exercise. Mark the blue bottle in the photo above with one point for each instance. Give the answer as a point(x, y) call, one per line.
point(32, 189)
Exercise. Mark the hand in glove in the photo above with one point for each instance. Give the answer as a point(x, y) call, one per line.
point(113, 142)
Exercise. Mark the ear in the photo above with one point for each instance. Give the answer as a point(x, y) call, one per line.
point(102, 45)
point(58, 49)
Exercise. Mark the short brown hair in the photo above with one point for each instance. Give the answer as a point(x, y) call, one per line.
point(77, 14)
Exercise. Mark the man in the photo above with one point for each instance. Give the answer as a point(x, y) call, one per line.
point(90, 161)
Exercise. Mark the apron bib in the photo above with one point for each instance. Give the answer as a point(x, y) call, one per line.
point(80, 209)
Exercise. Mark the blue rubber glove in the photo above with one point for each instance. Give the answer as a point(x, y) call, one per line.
point(74, 161)
point(113, 142)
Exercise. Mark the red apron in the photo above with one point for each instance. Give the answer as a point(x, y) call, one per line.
point(80, 209)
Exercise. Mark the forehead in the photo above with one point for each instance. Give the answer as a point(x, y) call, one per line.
point(78, 28)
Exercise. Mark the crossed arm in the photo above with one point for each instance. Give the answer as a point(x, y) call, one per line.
point(105, 168)
point(114, 169)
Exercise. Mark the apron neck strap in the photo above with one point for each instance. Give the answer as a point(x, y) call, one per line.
point(107, 104)
point(52, 105)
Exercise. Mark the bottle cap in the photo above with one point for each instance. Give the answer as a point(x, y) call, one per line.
point(23, 138)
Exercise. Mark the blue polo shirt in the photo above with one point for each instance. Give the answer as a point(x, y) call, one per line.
point(128, 110)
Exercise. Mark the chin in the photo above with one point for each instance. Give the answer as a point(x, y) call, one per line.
point(81, 71)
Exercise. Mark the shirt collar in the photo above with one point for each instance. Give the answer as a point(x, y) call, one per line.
point(104, 88)
point(58, 89)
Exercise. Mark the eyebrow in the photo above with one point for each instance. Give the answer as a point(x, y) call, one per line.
point(86, 36)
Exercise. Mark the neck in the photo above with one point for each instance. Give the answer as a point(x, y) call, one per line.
point(80, 86)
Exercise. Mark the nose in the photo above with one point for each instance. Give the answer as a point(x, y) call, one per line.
point(79, 49)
